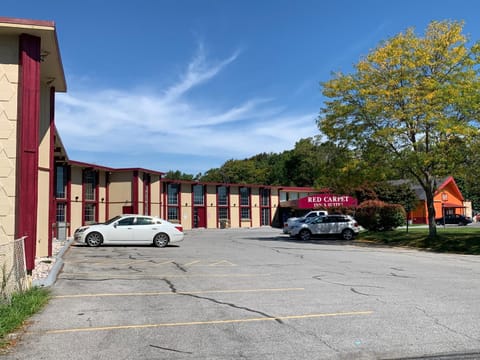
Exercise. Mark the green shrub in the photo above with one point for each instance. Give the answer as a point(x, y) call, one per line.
point(392, 216)
point(368, 214)
point(375, 215)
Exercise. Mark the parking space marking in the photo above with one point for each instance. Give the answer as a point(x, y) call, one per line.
point(223, 263)
point(151, 262)
point(191, 263)
point(209, 322)
point(77, 276)
point(169, 261)
point(159, 293)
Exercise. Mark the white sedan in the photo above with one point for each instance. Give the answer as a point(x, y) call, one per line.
point(130, 229)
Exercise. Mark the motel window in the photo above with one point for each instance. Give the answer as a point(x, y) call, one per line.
point(293, 196)
point(89, 214)
point(222, 203)
point(61, 182)
point(61, 212)
point(223, 213)
point(245, 213)
point(173, 211)
point(222, 196)
point(89, 195)
point(244, 196)
point(198, 195)
point(172, 194)
point(89, 183)
point(244, 203)
point(264, 197)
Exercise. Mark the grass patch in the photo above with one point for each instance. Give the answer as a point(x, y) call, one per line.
point(462, 240)
point(22, 306)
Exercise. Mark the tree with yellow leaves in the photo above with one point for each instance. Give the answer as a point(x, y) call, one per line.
point(414, 101)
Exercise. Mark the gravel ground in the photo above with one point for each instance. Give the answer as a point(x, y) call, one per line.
point(43, 265)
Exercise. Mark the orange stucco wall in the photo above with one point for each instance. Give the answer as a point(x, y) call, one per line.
point(448, 198)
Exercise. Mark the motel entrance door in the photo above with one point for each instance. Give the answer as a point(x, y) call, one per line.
point(199, 218)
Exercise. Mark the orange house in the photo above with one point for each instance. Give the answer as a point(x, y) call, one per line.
point(448, 199)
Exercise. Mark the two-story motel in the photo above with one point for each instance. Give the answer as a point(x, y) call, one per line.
point(45, 195)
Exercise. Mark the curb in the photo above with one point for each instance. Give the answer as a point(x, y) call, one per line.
point(52, 275)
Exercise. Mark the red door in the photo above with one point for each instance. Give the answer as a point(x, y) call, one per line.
point(199, 219)
point(127, 210)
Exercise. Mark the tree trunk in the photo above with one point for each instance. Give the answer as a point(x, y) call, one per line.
point(432, 226)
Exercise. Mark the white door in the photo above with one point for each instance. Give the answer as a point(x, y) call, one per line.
point(122, 230)
point(145, 229)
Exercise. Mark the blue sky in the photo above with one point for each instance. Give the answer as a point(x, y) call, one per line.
point(188, 84)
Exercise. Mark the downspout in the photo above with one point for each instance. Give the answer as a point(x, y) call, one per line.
point(52, 203)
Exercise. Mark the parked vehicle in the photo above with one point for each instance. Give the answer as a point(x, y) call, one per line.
point(130, 229)
point(454, 219)
point(312, 214)
point(340, 225)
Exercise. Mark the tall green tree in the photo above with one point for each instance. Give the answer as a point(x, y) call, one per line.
point(178, 175)
point(412, 101)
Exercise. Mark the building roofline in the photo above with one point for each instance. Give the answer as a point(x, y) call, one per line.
point(110, 169)
point(150, 171)
point(450, 180)
point(51, 68)
point(298, 188)
point(27, 22)
point(279, 187)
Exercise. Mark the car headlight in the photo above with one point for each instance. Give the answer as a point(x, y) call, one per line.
point(81, 230)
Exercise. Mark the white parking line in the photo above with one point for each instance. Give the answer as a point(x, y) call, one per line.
point(159, 293)
point(209, 322)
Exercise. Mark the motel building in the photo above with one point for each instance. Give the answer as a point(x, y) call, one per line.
point(45, 195)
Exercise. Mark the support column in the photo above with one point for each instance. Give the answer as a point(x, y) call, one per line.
point(27, 145)
point(135, 192)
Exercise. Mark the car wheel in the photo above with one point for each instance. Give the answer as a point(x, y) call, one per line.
point(161, 240)
point(347, 234)
point(94, 239)
point(305, 235)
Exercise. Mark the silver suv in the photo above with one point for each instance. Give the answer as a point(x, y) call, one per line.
point(307, 217)
point(343, 225)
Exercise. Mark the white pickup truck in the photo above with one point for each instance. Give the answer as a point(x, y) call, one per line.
point(314, 213)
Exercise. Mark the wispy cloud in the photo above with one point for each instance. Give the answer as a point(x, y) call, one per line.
point(199, 71)
point(151, 124)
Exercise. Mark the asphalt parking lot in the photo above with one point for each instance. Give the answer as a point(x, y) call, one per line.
point(257, 294)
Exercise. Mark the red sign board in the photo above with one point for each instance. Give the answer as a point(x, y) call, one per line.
point(326, 201)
